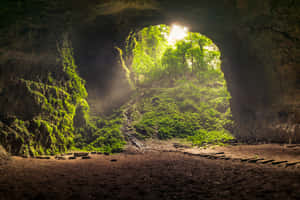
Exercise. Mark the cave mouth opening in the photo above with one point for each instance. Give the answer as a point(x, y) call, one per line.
point(179, 87)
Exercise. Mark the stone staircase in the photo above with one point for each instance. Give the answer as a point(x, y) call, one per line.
point(129, 130)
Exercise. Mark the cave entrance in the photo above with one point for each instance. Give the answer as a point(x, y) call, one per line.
point(175, 89)
point(179, 88)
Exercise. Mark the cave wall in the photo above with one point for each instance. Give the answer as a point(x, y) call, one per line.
point(259, 41)
point(265, 84)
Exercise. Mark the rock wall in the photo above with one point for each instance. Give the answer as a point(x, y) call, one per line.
point(38, 109)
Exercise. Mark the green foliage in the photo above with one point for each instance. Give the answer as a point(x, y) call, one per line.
point(43, 122)
point(152, 58)
point(74, 83)
point(183, 110)
point(146, 56)
point(213, 137)
point(181, 89)
point(127, 71)
point(192, 56)
point(102, 135)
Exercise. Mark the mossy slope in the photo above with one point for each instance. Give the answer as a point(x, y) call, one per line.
point(199, 112)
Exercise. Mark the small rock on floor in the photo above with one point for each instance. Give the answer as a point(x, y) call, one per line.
point(81, 154)
point(60, 158)
point(43, 157)
point(219, 153)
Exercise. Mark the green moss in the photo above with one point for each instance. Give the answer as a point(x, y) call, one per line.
point(202, 137)
point(101, 134)
point(49, 128)
point(186, 110)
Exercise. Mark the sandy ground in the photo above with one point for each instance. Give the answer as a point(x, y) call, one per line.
point(149, 175)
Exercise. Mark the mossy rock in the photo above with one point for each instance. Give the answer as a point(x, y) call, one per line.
point(3, 154)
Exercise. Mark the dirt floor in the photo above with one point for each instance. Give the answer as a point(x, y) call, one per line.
point(154, 174)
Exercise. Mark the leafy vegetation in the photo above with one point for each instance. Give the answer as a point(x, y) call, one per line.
point(180, 88)
point(102, 135)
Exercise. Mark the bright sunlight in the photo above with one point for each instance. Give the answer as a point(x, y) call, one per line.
point(177, 33)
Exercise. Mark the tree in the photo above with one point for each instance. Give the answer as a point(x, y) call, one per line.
point(152, 57)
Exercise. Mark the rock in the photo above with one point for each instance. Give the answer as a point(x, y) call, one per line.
point(212, 157)
point(72, 158)
point(204, 155)
point(291, 146)
point(178, 145)
point(81, 154)
point(86, 157)
point(93, 152)
point(60, 158)
point(25, 156)
point(219, 153)
point(3, 154)
point(43, 157)
point(292, 164)
point(254, 160)
point(244, 159)
point(279, 162)
point(267, 161)
point(106, 153)
point(137, 143)
point(113, 160)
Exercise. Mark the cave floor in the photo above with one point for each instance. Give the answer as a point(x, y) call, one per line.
point(148, 175)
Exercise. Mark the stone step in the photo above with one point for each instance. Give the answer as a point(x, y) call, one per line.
point(60, 158)
point(279, 162)
point(245, 159)
point(219, 153)
point(291, 146)
point(255, 160)
point(292, 164)
point(267, 161)
point(43, 157)
point(249, 160)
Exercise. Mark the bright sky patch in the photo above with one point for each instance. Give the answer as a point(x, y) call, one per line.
point(177, 33)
